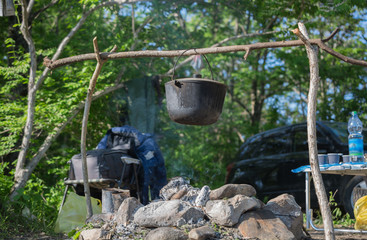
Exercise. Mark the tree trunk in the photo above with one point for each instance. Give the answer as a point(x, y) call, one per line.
point(258, 92)
point(20, 172)
point(312, 54)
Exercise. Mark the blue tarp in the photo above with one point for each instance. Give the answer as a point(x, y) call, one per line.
point(147, 150)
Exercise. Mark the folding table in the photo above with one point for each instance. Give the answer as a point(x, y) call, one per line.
point(356, 169)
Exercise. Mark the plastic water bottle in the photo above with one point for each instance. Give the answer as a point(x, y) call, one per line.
point(355, 139)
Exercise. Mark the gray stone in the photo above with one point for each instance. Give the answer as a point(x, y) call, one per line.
point(179, 194)
point(284, 204)
point(166, 233)
point(201, 233)
point(286, 209)
point(228, 212)
point(167, 214)
point(203, 197)
point(125, 213)
point(174, 186)
point(264, 225)
point(179, 188)
point(231, 190)
point(191, 195)
point(97, 220)
point(90, 234)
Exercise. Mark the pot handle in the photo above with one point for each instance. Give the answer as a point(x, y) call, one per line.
point(174, 67)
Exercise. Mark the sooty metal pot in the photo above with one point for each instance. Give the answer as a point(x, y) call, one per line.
point(195, 101)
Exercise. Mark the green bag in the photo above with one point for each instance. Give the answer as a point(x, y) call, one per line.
point(73, 213)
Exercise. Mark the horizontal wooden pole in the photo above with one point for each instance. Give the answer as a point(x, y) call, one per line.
point(211, 50)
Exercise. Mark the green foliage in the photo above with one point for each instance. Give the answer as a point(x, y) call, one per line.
point(12, 100)
point(6, 181)
point(33, 210)
point(339, 217)
point(75, 233)
point(265, 91)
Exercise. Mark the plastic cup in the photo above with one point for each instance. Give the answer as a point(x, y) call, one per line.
point(346, 159)
point(323, 159)
point(354, 159)
point(333, 158)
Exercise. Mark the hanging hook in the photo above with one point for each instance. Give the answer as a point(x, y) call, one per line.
point(177, 83)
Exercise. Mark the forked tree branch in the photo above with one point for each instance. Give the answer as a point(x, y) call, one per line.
point(88, 102)
point(312, 54)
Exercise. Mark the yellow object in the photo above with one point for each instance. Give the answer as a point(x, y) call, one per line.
point(74, 211)
point(360, 213)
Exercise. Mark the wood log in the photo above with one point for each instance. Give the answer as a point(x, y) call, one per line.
point(112, 199)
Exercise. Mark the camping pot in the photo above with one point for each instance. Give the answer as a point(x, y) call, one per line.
point(195, 101)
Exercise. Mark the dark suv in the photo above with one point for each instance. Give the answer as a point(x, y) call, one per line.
point(265, 161)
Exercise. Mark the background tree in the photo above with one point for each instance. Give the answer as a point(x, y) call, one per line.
point(267, 90)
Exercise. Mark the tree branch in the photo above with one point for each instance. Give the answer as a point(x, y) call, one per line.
point(36, 14)
point(331, 35)
point(312, 54)
point(67, 39)
point(243, 36)
point(220, 43)
point(238, 101)
point(21, 161)
point(30, 6)
point(323, 46)
point(211, 50)
point(305, 39)
point(88, 101)
point(141, 27)
point(301, 97)
point(342, 57)
point(83, 144)
point(133, 22)
point(172, 53)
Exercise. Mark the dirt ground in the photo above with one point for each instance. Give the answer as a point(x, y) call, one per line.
point(313, 236)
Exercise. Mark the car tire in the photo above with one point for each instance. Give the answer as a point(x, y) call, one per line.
point(352, 192)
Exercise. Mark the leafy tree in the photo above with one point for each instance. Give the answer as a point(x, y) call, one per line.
point(266, 90)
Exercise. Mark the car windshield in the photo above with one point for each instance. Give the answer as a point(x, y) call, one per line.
point(341, 130)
